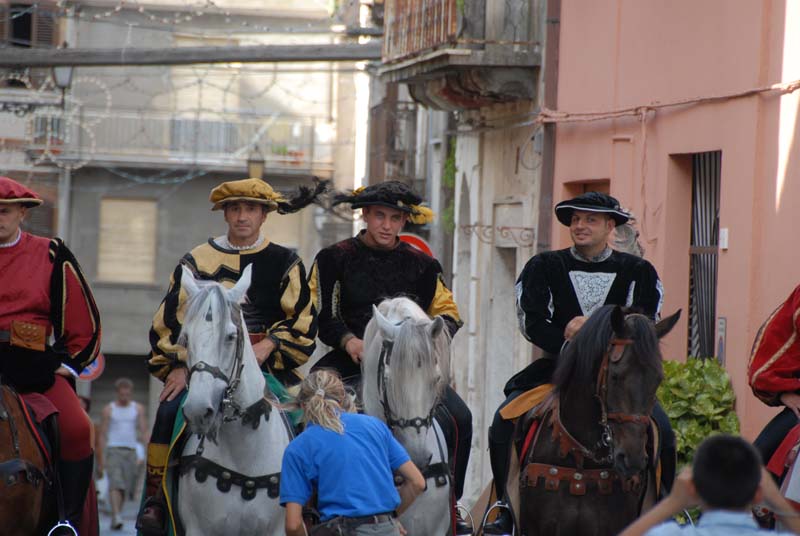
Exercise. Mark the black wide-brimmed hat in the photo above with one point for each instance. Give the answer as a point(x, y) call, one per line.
point(392, 194)
point(591, 202)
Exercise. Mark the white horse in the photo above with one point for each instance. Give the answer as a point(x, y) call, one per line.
point(230, 466)
point(406, 366)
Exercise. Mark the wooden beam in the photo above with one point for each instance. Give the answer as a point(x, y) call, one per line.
point(86, 57)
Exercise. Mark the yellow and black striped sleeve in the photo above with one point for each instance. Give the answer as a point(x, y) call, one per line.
point(166, 353)
point(295, 334)
point(442, 302)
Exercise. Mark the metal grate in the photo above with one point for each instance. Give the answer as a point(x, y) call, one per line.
point(704, 252)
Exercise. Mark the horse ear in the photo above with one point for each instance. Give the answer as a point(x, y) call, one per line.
point(618, 321)
point(188, 282)
point(666, 325)
point(388, 330)
point(435, 327)
point(238, 291)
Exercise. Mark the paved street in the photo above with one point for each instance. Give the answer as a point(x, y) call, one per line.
point(129, 510)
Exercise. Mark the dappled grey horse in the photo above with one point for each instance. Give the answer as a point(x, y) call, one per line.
point(405, 367)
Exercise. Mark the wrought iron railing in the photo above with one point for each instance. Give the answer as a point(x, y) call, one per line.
point(412, 26)
point(162, 137)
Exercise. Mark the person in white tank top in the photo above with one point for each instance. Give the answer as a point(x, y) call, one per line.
point(124, 425)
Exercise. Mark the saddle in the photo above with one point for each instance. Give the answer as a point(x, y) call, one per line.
point(36, 411)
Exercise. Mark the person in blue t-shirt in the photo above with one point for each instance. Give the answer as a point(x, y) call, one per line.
point(349, 459)
point(725, 480)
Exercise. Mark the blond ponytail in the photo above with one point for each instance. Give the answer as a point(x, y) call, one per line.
point(323, 397)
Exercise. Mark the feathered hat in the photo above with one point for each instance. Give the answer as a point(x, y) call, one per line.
point(259, 191)
point(392, 194)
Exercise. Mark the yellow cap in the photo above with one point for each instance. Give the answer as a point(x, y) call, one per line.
point(253, 190)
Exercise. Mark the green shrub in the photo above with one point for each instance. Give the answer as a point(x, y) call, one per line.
point(698, 397)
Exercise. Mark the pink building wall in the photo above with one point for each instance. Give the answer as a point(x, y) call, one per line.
point(629, 53)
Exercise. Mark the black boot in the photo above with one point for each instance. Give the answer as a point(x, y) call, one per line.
point(152, 519)
point(502, 525)
point(75, 478)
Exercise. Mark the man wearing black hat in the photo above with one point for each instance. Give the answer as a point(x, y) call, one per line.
point(351, 276)
point(556, 292)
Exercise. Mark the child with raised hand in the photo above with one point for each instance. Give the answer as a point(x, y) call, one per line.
point(726, 479)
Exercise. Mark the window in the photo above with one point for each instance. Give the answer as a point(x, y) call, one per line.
point(127, 245)
point(706, 174)
point(28, 24)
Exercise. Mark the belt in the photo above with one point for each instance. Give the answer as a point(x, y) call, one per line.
point(363, 520)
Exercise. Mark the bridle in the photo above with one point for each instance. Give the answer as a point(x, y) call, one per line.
point(231, 410)
point(614, 352)
point(391, 421)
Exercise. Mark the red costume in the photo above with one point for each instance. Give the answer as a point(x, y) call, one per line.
point(774, 366)
point(48, 318)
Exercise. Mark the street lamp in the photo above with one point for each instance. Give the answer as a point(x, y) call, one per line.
point(62, 76)
point(255, 165)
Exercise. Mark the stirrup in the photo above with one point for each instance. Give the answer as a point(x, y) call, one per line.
point(461, 508)
point(62, 528)
point(500, 505)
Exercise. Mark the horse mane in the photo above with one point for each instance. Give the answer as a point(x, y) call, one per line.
point(196, 303)
point(405, 371)
point(577, 365)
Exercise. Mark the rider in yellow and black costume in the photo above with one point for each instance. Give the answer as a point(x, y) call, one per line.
point(278, 312)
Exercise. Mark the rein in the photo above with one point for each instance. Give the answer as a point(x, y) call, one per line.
point(391, 421)
point(578, 477)
point(231, 410)
point(440, 471)
point(616, 347)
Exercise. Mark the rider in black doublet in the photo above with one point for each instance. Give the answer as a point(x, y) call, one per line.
point(556, 287)
point(351, 276)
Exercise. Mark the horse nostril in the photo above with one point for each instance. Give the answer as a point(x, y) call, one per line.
point(430, 457)
point(209, 413)
point(622, 459)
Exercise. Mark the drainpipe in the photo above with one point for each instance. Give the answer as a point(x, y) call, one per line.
point(552, 34)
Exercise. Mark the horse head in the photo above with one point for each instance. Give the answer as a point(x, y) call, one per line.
point(405, 368)
point(216, 341)
point(632, 376)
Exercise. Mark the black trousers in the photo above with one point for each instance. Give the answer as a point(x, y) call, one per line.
point(773, 433)
point(456, 421)
point(501, 431)
point(165, 420)
point(453, 416)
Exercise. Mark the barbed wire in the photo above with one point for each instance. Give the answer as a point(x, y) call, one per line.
point(147, 107)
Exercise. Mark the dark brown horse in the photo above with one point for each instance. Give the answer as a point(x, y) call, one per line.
point(586, 472)
point(26, 505)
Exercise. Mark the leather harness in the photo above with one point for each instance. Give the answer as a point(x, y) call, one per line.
point(579, 479)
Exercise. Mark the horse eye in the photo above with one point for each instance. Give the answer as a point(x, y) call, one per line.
point(231, 337)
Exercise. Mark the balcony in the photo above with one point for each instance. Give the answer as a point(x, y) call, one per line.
point(151, 139)
point(463, 54)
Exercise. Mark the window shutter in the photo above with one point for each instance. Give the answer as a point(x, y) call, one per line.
point(45, 26)
point(127, 245)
